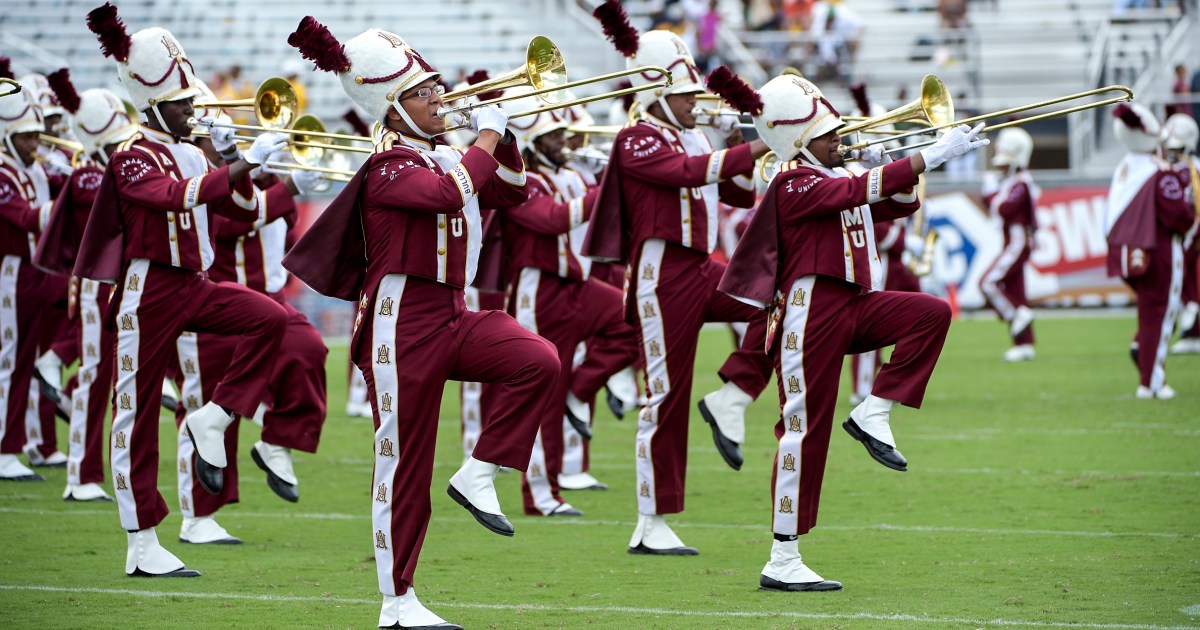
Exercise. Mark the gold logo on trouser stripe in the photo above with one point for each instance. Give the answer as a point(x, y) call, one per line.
point(648, 310)
point(91, 350)
point(471, 415)
point(798, 298)
point(134, 281)
point(183, 502)
point(380, 539)
point(8, 270)
point(90, 317)
point(384, 355)
point(385, 404)
point(792, 342)
point(655, 349)
point(8, 334)
point(794, 423)
point(470, 445)
point(189, 367)
point(381, 495)
point(642, 450)
point(785, 505)
point(192, 403)
point(648, 272)
point(535, 470)
point(126, 402)
point(793, 385)
point(385, 307)
point(525, 302)
point(183, 468)
point(121, 482)
point(645, 489)
point(7, 302)
point(127, 322)
point(77, 437)
point(127, 363)
point(573, 442)
point(6, 364)
point(789, 462)
point(119, 441)
point(79, 403)
point(73, 471)
point(386, 448)
point(658, 386)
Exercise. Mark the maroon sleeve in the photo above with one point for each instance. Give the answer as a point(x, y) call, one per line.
point(400, 178)
point(1172, 205)
point(646, 156)
point(278, 204)
point(809, 194)
point(507, 188)
point(731, 193)
point(540, 213)
point(14, 208)
point(1015, 209)
point(141, 181)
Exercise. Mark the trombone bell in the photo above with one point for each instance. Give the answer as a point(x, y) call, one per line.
point(275, 103)
point(544, 68)
point(934, 107)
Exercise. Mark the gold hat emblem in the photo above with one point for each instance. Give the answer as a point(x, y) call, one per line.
point(386, 448)
point(792, 340)
point(789, 462)
point(648, 272)
point(384, 355)
point(793, 385)
point(127, 322)
point(134, 280)
point(119, 441)
point(385, 307)
point(785, 505)
point(645, 489)
point(121, 485)
point(648, 310)
point(794, 423)
point(385, 404)
point(126, 402)
point(655, 349)
point(381, 495)
point(380, 539)
point(169, 44)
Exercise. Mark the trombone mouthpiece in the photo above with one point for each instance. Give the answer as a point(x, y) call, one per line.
point(192, 123)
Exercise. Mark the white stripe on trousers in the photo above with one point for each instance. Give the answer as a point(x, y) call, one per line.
point(383, 334)
point(89, 363)
point(128, 342)
point(33, 419)
point(656, 370)
point(192, 394)
point(573, 442)
point(1158, 377)
point(8, 322)
point(1000, 268)
point(472, 393)
point(526, 295)
point(795, 413)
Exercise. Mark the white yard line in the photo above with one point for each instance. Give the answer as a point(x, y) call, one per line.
point(681, 524)
point(957, 621)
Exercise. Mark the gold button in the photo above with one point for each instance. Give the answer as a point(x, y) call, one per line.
point(683, 195)
point(442, 251)
point(847, 253)
point(173, 239)
point(442, 224)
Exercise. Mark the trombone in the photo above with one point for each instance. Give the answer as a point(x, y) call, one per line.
point(16, 87)
point(276, 107)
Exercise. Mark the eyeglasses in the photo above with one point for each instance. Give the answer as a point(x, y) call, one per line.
point(427, 92)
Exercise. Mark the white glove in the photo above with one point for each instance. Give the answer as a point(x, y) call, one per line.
point(308, 182)
point(264, 146)
point(490, 118)
point(724, 124)
point(222, 138)
point(957, 141)
point(56, 164)
point(590, 159)
point(872, 156)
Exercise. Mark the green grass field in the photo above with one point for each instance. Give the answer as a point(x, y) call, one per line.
point(1039, 495)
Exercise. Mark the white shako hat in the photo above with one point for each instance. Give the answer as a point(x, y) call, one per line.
point(794, 112)
point(151, 63)
point(20, 114)
point(39, 90)
point(98, 116)
point(527, 129)
point(1137, 128)
point(1014, 147)
point(1182, 133)
point(375, 66)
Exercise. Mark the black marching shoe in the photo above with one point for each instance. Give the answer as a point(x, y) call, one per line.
point(283, 489)
point(769, 584)
point(212, 479)
point(495, 523)
point(615, 404)
point(642, 550)
point(883, 453)
point(730, 451)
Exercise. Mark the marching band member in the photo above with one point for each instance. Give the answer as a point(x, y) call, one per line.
point(1148, 222)
point(149, 233)
point(403, 239)
point(551, 294)
point(809, 255)
point(1182, 136)
point(98, 120)
point(25, 205)
point(657, 211)
point(1011, 196)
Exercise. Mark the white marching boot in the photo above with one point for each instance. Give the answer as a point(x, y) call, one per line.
point(1163, 393)
point(85, 492)
point(11, 469)
point(1016, 354)
point(1021, 320)
point(147, 558)
point(654, 537)
point(622, 392)
point(206, 427)
point(725, 411)
point(870, 423)
point(579, 414)
point(580, 481)
point(406, 611)
point(204, 530)
point(473, 487)
point(787, 572)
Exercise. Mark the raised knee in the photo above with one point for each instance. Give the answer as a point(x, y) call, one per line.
point(544, 360)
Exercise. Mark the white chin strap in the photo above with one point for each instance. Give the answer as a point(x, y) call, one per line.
point(9, 145)
point(161, 123)
point(408, 119)
point(662, 103)
point(541, 157)
point(809, 156)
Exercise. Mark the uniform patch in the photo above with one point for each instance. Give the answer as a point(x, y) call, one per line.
point(7, 192)
point(643, 146)
point(391, 169)
point(89, 180)
point(1170, 188)
point(802, 184)
point(133, 169)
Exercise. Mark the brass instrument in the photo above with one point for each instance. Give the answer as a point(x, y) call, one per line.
point(16, 87)
point(544, 69)
point(276, 107)
point(1127, 95)
point(922, 264)
point(61, 143)
point(596, 130)
point(934, 107)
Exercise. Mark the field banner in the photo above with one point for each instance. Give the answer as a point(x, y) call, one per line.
point(1068, 260)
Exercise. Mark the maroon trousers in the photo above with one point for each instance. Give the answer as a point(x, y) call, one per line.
point(1158, 302)
point(896, 277)
point(565, 312)
point(830, 319)
point(1003, 284)
point(92, 395)
point(296, 398)
point(154, 304)
point(1191, 286)
point(673, 291)
point(21, 305)
point(412, 336)
point(54, 327)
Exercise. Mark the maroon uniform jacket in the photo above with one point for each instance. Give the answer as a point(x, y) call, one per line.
point(537, 232)
point(818, 221)
point(413, 208)
point(1154, 210)
point(60, 241)
point(1014, 203)
point(664, 182)
point(147, 207)
point(251, 253)
point(24, 206)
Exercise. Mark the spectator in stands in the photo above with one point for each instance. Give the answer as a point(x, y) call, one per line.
point(1182, 93)
point(294, 71)
point(836, 31)
point(706, 38)
point(797, 14)
point(953, 13)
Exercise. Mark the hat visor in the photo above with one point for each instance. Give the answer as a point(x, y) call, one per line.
point(1001, 160)
point(417, 80)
